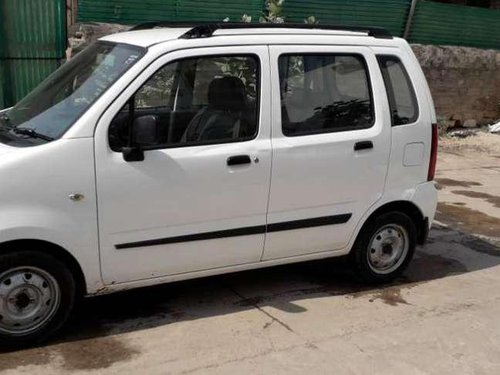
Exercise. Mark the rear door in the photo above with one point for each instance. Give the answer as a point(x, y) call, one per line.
point(331, 146)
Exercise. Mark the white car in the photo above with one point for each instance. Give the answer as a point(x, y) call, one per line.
point(174, 152)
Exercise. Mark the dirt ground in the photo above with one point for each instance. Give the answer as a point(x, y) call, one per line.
point(441, 317)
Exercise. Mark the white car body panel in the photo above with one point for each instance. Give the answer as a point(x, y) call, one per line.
point(182, 191)
point(402, 180)
point(146, 38)
point(40, 209)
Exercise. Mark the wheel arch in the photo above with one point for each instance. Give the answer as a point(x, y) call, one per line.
point(54, 250)
point(407, 207)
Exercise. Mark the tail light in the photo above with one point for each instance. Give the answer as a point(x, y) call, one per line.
point(434, 150)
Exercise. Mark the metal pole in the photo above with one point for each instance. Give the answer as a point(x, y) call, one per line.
point(409, 20)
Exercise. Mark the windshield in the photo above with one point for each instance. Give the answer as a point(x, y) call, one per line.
point(48, 111)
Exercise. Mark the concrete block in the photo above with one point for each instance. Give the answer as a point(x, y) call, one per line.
point(470, 123)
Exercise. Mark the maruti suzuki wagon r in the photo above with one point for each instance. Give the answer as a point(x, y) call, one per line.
point(173, 152)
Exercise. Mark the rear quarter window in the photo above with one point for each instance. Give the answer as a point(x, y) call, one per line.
point(400, 92)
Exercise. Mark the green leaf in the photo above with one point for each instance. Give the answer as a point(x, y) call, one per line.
point(273, 9)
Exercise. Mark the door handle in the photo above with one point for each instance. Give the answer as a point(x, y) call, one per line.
point(238, 160)
point(363, 145)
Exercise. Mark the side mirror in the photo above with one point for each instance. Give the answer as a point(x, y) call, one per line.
point(145, 132)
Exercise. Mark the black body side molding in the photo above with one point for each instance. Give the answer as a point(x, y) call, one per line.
point(245, 231)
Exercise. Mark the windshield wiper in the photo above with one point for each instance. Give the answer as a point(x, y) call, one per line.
point(23, 131)
point(32, 133)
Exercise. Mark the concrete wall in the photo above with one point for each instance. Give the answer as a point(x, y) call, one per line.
point(465, 82)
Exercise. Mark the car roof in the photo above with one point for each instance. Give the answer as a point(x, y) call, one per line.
point(146, 38)
point(152, 36)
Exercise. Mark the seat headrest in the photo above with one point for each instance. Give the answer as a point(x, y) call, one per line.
point(227, 94)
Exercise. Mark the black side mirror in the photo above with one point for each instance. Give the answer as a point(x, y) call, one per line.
point(145, 132)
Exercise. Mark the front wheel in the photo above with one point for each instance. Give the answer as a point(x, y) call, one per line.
point(37, 293)
point(385, 247)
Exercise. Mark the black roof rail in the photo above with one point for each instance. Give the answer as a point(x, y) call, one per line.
point(206, 29)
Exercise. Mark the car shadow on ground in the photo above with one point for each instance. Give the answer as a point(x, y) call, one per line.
point(447, 253)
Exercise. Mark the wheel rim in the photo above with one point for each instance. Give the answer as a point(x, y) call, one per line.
point(388, 249)
point(29, 298)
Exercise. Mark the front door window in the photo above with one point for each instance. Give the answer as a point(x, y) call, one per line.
point(198, 101)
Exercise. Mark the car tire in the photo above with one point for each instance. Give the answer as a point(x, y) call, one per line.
point(37, 295)
point(384, 247)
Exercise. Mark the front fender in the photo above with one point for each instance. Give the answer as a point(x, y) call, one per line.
point(35, 204)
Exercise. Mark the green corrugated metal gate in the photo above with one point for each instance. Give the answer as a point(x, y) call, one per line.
point(136, 11)
point(32, 44)
point(448, 24)
point(390, 14)
point(433, 23)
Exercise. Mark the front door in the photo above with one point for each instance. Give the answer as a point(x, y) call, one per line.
point(198, 201)
point(331, 146)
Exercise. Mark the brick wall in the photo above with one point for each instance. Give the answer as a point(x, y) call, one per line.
point(465, 82)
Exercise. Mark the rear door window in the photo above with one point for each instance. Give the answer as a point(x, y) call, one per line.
point(323, 93)
point(402, 99)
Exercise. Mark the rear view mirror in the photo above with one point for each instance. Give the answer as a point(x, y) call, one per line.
point(145, 132)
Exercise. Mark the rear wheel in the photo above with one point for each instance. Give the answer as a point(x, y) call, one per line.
point(384, 247)
point(37, 293)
